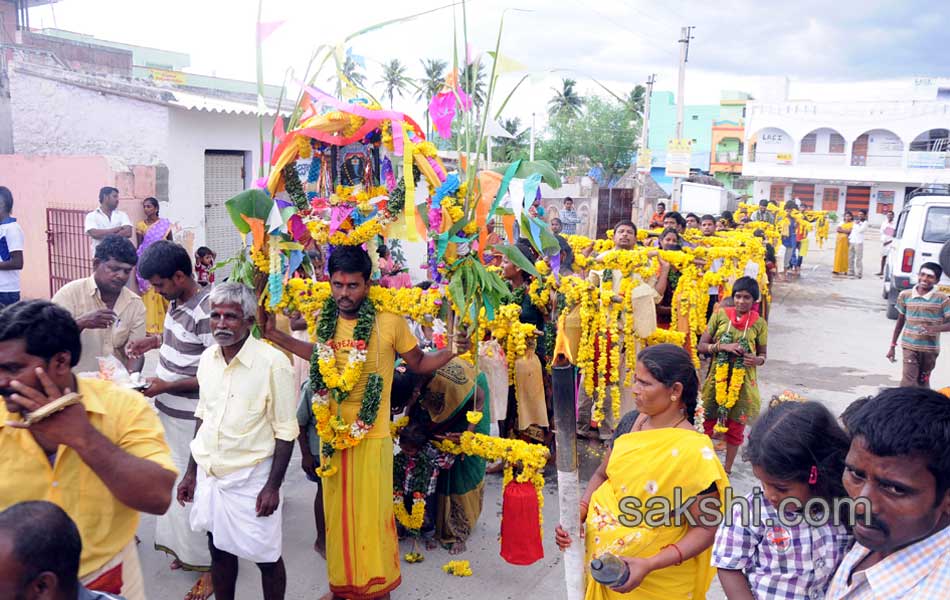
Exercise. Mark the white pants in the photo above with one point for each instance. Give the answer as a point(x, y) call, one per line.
point(173, 532)
point(227, 507)
point(856, 259)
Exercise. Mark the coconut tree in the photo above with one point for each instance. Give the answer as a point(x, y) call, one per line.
point(350, 69)
point(513, 148)
point(395, 81)
point(431, 83)
point(566, 103)
point(473, 82)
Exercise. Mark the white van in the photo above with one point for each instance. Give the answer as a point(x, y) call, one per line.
point(922, 235)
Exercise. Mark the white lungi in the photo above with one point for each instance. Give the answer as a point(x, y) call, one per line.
point(227, 507)
point(173, 532)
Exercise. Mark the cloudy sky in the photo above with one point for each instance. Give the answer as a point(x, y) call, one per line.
point(828, 50)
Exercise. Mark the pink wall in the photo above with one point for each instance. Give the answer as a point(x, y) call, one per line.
point(41, 182)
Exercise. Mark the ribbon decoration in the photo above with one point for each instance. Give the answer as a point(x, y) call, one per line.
point(489, 185)
point(412, 234)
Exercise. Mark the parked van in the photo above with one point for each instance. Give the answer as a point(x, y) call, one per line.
point(922, 235)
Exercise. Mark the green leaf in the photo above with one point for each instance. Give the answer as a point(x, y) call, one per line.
point(513, 254)
point(251, 204)
point(527, 168)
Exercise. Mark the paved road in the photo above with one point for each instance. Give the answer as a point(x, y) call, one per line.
point(827, 341)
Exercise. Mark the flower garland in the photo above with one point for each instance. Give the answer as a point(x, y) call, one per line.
point(730, 376)
point(532, 458)
point(412, 522)
point(326, 380)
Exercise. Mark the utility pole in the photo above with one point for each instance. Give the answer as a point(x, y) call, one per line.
point(531, 148)
point(638, 197)
point(680, 91)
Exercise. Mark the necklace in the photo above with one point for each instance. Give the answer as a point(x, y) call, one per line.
point(327, 381)
point(673, 426)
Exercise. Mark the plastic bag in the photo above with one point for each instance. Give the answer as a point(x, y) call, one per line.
point(491, 360)
point(111, 369)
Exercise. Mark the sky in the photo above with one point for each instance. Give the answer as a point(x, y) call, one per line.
point(848, 49)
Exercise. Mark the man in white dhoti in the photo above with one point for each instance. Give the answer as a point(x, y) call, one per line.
point(246, 427)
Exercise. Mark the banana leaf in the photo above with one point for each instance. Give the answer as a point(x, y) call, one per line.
point(526, 168)
point(254, 204)
point(513, 254)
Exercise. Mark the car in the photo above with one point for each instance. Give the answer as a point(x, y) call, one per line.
point(922, 235)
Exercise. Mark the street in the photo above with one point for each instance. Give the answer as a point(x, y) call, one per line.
point(827, 341)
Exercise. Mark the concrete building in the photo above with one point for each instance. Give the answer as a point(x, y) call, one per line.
point(716, 132)
point(697, 126)
point(74, 118)
point(848, 155)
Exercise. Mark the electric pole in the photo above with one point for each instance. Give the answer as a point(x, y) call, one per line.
point(638, 197)
point(680, 91)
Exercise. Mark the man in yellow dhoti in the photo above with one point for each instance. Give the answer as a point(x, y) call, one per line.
point(352, 377)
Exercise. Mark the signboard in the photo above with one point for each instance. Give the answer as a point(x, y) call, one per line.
point(169, 76)
point(644, 160)
point(678, 154)
point(783, 158)
point(927, 160)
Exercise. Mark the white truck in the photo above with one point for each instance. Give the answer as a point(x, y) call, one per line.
point(704, 199)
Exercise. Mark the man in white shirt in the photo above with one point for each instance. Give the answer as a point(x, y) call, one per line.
point(887, 238)
point(11, 251)
point(856, 245)
point(107, 219)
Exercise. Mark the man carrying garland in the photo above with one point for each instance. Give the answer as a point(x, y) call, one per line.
point(352, 365)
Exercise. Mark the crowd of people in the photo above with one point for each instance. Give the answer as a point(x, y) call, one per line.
point(208, 451)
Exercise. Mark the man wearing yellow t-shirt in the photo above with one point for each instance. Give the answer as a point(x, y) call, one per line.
point(362, 549)
point(102, 460)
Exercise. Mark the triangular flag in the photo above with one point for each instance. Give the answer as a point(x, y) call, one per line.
point(265, 29)
point(505, 64)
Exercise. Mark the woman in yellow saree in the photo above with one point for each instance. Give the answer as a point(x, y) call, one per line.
point(661, 464)
point(840, 266)
point(149, 231)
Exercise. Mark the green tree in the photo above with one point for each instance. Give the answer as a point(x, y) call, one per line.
point(604, 134)
point(473, 83)
point(395, 81)
point(565, 103)
point(634, 101)
point(511, 149)
point(430, 84)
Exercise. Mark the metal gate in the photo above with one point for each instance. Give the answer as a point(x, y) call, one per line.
point(70, 252)
point(224, 178)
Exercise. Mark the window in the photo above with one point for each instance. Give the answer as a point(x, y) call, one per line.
point(937, 226)
point(836, 144)
point(695, 117)
point(809, 142)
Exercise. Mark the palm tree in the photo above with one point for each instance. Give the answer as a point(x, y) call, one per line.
point(511, 149)
point(565, 103)
point(350, 70)
point(473, 82)
point(431, 83)
point(634, 101)
point(395, 81)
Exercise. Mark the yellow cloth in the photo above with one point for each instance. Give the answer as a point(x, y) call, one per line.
point(362, 549)
point(156, 306)
point(244, 406)
point(841, 251)
point(390, 336)
point(105, 524)
point(529, 390)
point(649, 464)
point(82, 296)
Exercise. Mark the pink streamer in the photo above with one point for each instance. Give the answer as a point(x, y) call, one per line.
point(338, 215)
point(440, 173)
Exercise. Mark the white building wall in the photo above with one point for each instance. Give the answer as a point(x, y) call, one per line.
point(50, 117)
point(890, 125)
point(191, 133)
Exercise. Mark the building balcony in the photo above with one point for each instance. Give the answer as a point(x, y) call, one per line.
point(726, 162)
